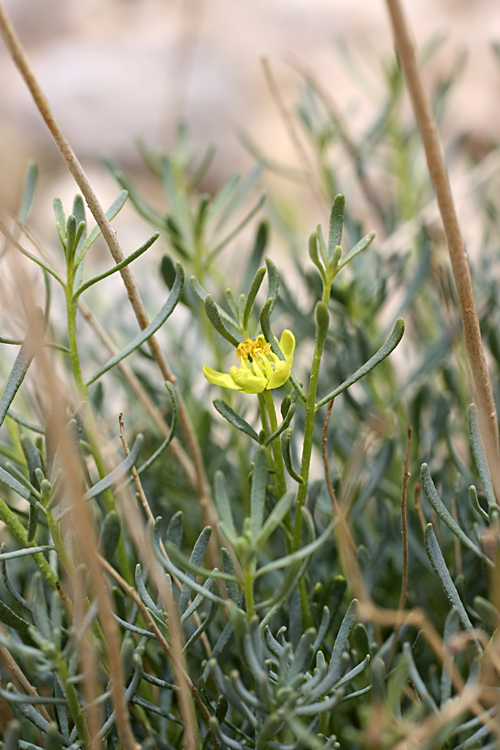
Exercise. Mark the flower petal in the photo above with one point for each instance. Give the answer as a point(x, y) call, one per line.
point(248, 382)
point(220, 378)
point(287, 346)
point(280, 375)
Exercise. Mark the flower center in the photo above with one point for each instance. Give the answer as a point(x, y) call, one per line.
point(252, 349)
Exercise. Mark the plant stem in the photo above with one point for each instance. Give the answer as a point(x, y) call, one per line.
point(248, 578)
point(73, 702)
point(276, 444)
point(60, 548)
point(71, 308)
point(18, 531)
point(310, 417)
point(458, 257)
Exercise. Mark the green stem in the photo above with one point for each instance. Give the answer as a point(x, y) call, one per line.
point(248, 578)
point(321, 331)
point(276, 444)
point(73, 703)
point(18, 531)
point(59, 546)
point(71, 308)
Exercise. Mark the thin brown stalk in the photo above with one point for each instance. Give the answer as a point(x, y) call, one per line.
point(109, 234)
point(19, 675)
point(458, 257)
point(404, 534)
point(292, 133)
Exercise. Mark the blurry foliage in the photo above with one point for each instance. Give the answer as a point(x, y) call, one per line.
point(273, 642)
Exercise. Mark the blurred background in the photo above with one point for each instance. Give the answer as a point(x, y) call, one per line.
point(116, 70)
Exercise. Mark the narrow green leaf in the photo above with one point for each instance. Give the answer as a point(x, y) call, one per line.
point(197, 601)
point(290, 559)
point(273, 281)
point(232, 589)
point(450, 631)
point(18, 372)
point(70, 236)
point(232, 303)
point(276, 516)
point(442, 511)
point(15, 485)
point(417, 681)
point(174, 529)
point(338, 649)
point(125, 262)
point(173, 427)
point(383, 352)
point(313, 254)
point(113, 477)
point(214, 317)
point(60, 220)
point(336, 224)
point(208, 619)
point(110, 535)
point(475, 503)
point(39, 607)
point(110, 479)
point(181, 561)
point(10, 237)
point(322, 245)
point(250, 300)
point(25, 552)
point(224, 510)
point(196, 559)
point(115, 207)
point(283, 426)
point(202, 295)
point(437, 561)
point(286, 440)
point(28, 193)
point(488, 613)
point(258, 491)
point(144, 594)
point(480, 455)
point(146, 333)
point(234, 419)
point(358, 248)
point(186, 578)
point(9, 617)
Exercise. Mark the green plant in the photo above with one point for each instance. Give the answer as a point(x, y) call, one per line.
point(254, 590)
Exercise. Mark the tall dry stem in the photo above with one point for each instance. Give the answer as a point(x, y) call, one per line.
point(21, 61)
point(458, 256)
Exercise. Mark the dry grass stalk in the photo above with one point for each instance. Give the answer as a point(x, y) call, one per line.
point(458, 256)
point(21, 61)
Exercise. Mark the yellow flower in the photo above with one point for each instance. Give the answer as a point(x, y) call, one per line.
point(260, 369)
